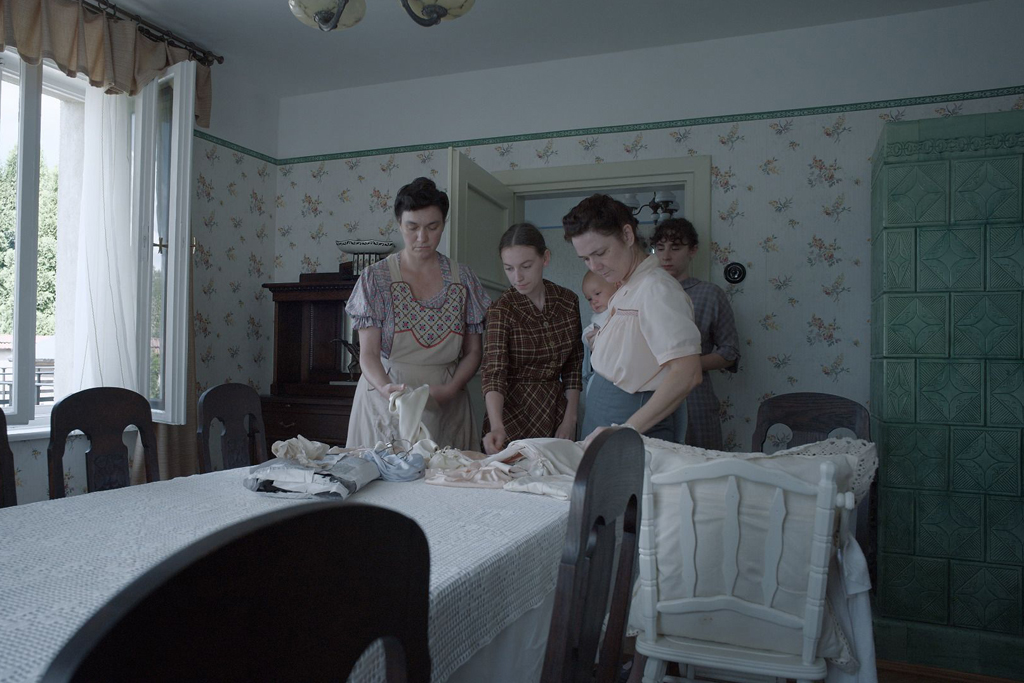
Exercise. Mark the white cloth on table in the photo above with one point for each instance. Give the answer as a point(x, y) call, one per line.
point(494, 557)
point(545, 466)
point(300, 448)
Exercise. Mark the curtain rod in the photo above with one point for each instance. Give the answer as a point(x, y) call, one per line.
point(151, 30)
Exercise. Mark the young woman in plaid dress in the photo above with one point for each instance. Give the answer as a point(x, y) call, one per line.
point(533, 351)
point(675, 244)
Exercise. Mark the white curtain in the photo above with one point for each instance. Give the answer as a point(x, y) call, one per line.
point(106, 291)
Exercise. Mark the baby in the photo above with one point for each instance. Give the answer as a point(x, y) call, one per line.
point(598, 292)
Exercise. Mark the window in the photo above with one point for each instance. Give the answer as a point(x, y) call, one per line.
point(162, 173)
point(42, 215)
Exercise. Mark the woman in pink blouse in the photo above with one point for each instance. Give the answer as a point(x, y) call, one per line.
point(420, 320)
point(646, 357)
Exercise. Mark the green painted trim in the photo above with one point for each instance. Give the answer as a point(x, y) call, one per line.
point(632, 128)
point(238, 148)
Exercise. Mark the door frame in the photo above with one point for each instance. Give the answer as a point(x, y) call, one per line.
point(692, 172)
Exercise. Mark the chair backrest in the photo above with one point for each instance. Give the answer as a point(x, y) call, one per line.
point(608, 486)
point(728, 528)
point(811, 417)
point(241, 445)
point(8, 496)
point(296, 594)
point(102, 414)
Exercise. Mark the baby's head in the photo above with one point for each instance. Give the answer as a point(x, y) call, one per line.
point(597, 291)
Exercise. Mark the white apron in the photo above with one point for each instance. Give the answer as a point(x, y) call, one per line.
point(426, 350)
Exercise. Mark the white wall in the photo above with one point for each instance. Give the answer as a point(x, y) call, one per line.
point(964, 48)
point(243, 112)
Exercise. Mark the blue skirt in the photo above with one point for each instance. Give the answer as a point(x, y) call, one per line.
point(607, 405)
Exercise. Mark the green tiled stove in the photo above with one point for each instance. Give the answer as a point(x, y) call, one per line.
point(947, 391)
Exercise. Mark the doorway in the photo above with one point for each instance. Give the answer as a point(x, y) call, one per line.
point(484, 205)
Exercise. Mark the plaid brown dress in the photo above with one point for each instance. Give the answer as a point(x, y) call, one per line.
point(532, 358)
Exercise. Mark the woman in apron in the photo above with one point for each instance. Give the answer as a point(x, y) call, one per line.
point(646, 358)
point(420, 320)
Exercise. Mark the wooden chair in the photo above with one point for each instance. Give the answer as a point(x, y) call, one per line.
point(608, 487)
point(296, 594)
point(709, 589)
point(8, 495)
point(811, 417)
point(240, 445)
point(814, 417)
point(102, 414)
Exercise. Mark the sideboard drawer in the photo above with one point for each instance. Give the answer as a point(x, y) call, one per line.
point(325, 421)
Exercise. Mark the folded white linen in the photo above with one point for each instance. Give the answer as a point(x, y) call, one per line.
point(300, 449)
point(408, 404)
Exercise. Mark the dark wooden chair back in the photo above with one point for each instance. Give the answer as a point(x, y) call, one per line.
point(811, 417)
point(608, 487)
point(296, 594)
point(241, 445)
point(8, 496)
point(102, 414)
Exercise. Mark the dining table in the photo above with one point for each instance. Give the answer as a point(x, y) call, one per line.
point(494, 556)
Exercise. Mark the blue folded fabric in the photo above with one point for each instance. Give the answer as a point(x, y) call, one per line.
point(396, 467)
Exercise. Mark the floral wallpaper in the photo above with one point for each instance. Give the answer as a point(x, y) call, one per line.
point(790, 200)
point(233, 224)
point(31, 478)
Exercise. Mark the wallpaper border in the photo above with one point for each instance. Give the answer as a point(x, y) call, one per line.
point(628, 128)
point(202, 135)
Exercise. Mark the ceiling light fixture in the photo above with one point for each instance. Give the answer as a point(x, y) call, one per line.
point(662, 205)
point(328, 15)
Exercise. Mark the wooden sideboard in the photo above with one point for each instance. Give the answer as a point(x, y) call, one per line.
point(312, 388)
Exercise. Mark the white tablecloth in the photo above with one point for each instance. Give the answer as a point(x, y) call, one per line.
point(494, 557)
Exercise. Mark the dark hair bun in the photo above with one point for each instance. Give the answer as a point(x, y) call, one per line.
point(420, 194)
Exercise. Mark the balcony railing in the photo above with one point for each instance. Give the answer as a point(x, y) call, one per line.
point(43, 385)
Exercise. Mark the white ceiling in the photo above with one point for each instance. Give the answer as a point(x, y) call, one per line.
point(387, 46)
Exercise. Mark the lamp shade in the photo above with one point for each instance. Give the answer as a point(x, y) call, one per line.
point(456, 8)
point(306, 10)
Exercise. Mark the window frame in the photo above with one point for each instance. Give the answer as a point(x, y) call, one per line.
point(26, 246)
point(176, 279)
point(34, 81)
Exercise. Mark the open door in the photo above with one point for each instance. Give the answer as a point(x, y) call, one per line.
point(481, 211)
